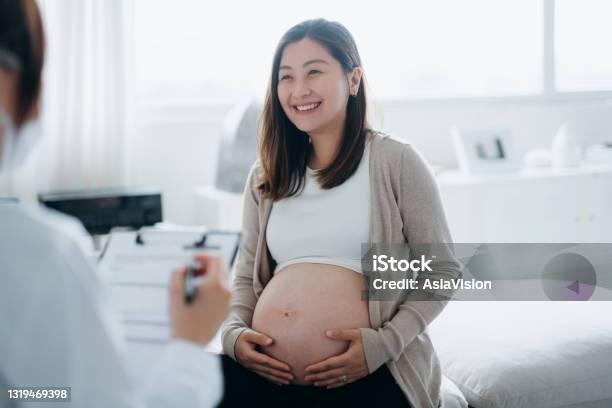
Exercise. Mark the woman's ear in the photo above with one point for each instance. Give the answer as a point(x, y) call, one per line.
point(355, 80)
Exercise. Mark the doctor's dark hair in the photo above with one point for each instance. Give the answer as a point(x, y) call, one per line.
point(284, 150)
point(22, 46)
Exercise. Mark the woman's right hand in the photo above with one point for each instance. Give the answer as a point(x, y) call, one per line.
point(262, 364)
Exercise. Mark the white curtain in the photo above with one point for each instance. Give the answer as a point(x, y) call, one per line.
point(85, 99)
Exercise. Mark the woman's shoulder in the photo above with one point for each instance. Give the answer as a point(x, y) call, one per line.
point(390, 150)
point(255, 171)
point(400, 161)
point(39, 226)
point(254, 178)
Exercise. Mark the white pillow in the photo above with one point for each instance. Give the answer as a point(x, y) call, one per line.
point(450, 395)
point(526, 354)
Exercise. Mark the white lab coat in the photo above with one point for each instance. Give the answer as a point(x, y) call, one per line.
point(57, 328)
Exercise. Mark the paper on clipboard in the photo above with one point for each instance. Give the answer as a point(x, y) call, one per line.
point(137, 268)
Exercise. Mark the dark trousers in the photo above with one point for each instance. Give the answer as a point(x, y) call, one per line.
point(244, 388)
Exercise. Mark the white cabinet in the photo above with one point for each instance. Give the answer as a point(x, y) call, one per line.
point(600, 205)
point(572, 205)
point(218, 209)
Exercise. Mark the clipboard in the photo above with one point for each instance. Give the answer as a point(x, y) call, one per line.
point(149, 257)
point(136, 267)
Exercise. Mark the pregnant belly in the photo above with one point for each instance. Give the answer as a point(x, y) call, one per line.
point(300, 303)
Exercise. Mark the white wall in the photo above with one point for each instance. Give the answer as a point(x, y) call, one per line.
point(175, 149)
point(534, 123)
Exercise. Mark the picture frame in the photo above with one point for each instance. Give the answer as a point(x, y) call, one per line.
point(485, 150)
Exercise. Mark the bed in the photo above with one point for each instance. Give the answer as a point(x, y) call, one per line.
point(494, 354)
point(525, 354)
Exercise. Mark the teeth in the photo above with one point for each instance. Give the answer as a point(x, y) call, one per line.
point(311, 106)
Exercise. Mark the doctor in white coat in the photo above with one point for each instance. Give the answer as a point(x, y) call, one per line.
point(55, 326)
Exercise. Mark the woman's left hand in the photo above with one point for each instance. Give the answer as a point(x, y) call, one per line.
point(344, 368)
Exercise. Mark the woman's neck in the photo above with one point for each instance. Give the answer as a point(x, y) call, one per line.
point(325, 146)
point(324, 150)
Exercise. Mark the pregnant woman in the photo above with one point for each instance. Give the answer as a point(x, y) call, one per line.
point(301, 333)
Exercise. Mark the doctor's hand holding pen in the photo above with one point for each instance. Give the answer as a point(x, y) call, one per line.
point(199, 319)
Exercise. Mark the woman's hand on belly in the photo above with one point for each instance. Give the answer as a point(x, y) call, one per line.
point(246, 354)
point(344, 368)
point(302, 302)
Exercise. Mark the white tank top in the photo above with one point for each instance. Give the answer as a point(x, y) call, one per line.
point(323, 226)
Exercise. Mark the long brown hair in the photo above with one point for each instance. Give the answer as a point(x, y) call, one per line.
point(284, 150)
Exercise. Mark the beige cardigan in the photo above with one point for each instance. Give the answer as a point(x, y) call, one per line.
point(405, 207)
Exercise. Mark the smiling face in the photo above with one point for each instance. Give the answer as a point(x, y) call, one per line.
point(313, 89)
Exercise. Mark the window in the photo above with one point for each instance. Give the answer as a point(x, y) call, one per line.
point(451, 48)
point(221, 51)
point(583, 49)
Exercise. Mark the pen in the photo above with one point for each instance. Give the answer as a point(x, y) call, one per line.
point(190, 287)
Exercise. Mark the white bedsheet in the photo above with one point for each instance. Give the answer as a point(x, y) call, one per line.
point(526, 354)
